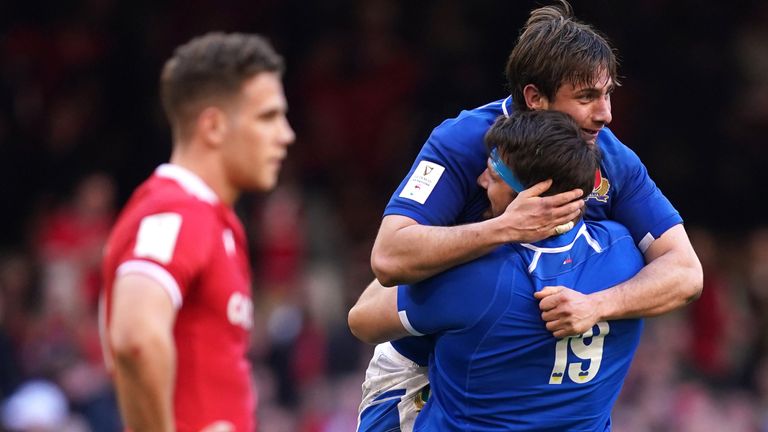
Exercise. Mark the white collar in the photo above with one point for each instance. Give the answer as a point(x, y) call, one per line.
point(189, 181)
point(538, 250)
point(504, 106)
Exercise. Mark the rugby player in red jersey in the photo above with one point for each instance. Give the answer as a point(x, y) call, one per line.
point(177, 300)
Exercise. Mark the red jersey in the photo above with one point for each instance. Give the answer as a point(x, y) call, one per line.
point(176, 231)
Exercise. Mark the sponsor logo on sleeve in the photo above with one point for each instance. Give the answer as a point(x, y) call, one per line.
point(422, 181)
point(157, 237)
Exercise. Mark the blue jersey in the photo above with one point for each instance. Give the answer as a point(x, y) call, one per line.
point(441, 189)
point(495, 366)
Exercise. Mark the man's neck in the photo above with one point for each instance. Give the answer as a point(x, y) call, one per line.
point(207, 166)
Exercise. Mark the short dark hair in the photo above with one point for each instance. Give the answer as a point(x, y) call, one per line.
point(214, 65)
point(554, 48)
point(539, 145)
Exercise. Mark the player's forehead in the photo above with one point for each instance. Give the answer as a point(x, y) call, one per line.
point(489, 166)
point(260, 94)
point(601, 82)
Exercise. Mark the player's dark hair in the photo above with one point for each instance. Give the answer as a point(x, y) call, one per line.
point(553, 49)
point(211, 67)
point(539, 145)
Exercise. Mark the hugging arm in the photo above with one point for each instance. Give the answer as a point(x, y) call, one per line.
point(374, 318)
point(407, 252)
point(671, 279)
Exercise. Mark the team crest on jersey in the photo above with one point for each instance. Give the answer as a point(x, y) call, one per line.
point(602, 186)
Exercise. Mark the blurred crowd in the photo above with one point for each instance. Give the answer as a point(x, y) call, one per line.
point(80, 126)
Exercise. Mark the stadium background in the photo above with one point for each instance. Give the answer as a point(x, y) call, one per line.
point(80, 126)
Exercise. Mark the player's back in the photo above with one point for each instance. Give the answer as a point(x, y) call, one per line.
point(506, 371)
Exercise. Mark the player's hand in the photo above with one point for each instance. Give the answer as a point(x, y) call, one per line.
point(566, 312)
point(530, 217)
point(219, 426)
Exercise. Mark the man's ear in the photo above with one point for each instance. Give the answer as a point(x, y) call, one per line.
point(534, 99)
point(212, 125)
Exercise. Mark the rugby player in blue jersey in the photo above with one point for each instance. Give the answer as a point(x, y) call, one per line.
point(434, 219)
point(496, 366)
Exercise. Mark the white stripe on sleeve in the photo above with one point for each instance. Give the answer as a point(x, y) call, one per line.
point(156, 272)
point(407, 324)
point(645, 243)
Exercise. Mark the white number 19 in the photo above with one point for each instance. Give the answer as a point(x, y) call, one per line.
point(592, 351)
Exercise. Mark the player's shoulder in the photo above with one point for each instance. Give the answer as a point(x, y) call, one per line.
point(611, 146)
point(160, 195)
point(616, 242)
point(607, 227)
point(164, 201)
point(483, 270)
point(462, 294)
point(608, 233)
point(479, 116)
point(163, 222)
point(471, 123)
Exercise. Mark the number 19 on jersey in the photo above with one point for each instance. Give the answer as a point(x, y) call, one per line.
point(587, 346)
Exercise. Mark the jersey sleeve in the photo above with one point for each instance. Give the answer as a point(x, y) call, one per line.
point(170, 247)
point(452, 300)
point(443, 179)
point(639, 204)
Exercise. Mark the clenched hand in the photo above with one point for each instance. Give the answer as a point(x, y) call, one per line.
point(567, 312)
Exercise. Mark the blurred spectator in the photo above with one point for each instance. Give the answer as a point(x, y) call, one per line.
point(15, 305)
point(280, 243)
point(708, 320)
point(70, 244)
point(40, 406)
point(54, 320)
point(757, 291)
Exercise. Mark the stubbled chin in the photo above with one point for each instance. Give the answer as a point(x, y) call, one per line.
point(591, 139)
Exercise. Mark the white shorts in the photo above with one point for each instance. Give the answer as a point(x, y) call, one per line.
point(392, 392)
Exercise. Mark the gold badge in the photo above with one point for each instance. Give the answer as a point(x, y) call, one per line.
point(602, 186)
point(422, 397)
